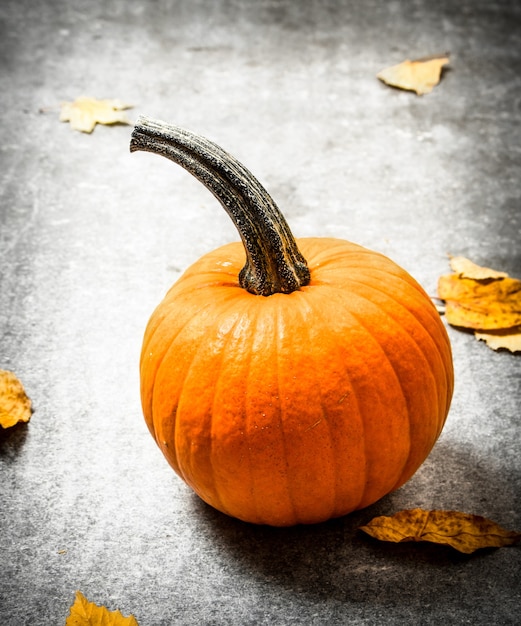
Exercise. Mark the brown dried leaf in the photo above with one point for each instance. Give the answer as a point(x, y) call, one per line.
point(420, 76)
point(509, 339)
point(465, 268)
point(15, 406)
point(85, 613)
point(84, 113)
point(481, 305)
point(461, 531)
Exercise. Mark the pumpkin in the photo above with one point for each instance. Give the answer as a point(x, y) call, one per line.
point(288, 381)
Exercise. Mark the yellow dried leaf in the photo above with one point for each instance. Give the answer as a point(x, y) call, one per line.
point(15, 406)
point(481, 305)
point(465, 268)
point(420, 76)
point(509, 339)
point(85, 613)
point(84, 113)
point(461, 531)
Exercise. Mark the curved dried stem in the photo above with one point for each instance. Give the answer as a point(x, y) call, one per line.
point(274, 263)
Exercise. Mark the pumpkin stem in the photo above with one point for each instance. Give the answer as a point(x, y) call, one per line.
point(274, 263)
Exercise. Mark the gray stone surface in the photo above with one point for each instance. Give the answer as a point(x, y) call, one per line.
point(91, 237)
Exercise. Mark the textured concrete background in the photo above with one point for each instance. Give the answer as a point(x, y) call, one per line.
point(91, 237)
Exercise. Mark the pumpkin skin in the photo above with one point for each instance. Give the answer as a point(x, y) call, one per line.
point(301, 407)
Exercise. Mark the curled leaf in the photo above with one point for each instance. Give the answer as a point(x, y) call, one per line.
point(85, 613)
point(84, 113)
point(465, 268)
point(15, 405)
point(420, 76)
point(481, 305)
point(485, 300)
point(462, 531)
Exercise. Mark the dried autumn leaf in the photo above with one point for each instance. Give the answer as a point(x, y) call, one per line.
point(484, 300)
point(15, 406)
point(462, 531)
point(85, 613)
point(420, 76)
point(481, 305)
point(465, 268)
point(84, 113)
point(509, 339)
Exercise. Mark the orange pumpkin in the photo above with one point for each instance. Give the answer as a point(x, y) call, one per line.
point(306, 385)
